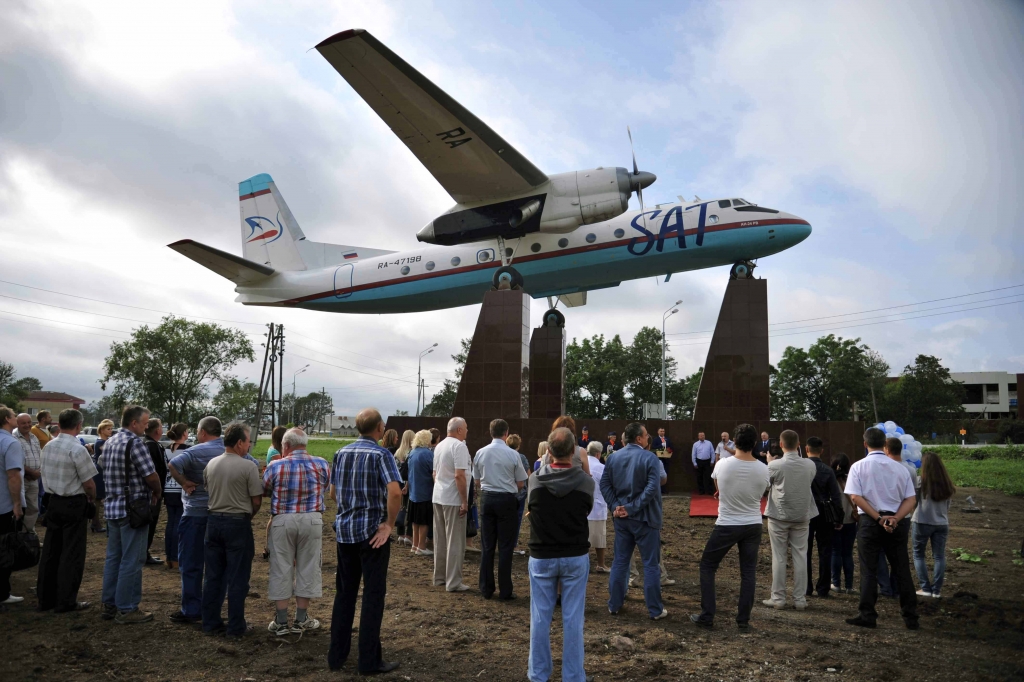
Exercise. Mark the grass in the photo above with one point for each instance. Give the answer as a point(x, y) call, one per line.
point(318, 448)
point(996, 468)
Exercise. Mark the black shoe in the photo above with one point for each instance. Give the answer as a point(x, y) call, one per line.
point(384, 667)
point(181, 619)
point(912, 625)
point(695, 619)
point(745, 627)
point(153, 561)
point(215, 630)
point(860, 622)
point(510, 597)
point(109, 612)
point(249, 630)
point(486, 595)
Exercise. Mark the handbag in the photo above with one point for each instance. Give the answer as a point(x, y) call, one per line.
point(826, 509)
point(19, 550)
point(139, 511)
point(472, 526)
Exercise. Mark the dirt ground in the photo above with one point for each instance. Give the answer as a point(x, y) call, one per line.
point(975, 632)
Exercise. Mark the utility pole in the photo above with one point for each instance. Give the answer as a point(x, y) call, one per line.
point(271, 380)
point(419, 377)
point(667, 314)
point(297, 373)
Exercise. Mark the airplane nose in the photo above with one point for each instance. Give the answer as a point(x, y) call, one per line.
point(797, 231)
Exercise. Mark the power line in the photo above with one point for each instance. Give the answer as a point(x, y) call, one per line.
point(74, 324)
point(875, 310)
point(349, 369)
point(78, 331)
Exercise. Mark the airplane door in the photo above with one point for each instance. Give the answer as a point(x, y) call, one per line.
point(343, 281)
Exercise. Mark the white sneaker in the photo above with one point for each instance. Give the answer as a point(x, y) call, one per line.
point(304, 625)
point(663, 614)
point(424, 552)
point(14, 600)
point(801, 606)
point(923, 593)
point(668, 581)
point(279, 629)
point(936, 595)
point(772, 603)
point(461, 588)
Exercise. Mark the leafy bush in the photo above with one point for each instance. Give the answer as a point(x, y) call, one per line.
point(1011, 430)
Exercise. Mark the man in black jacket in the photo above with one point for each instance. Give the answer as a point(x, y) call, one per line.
point(154, 432)
point(829, 500)
point(559, 498)
point(763, 448)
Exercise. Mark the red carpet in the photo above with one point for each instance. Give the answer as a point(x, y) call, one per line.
point(707, 505)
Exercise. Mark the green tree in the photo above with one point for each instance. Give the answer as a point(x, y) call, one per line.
point(682, 395)
point(643, 372)
point(236, 399)
point(924, 394)
point(595, 378)
point(106, 407)
point(169, 367)
point(443, 402)
point(14, 390)
point(313, 409)
point(823, 382)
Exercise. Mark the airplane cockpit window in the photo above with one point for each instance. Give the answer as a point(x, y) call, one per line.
point(724, 203)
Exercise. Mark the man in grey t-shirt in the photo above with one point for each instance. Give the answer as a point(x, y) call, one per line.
point(499, 474)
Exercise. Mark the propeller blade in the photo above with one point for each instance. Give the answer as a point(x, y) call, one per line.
point(630, 133)
point(640, 195)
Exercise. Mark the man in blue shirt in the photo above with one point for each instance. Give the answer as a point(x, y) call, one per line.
point(12, 493)
point(187, 469)
point(631, 486)
point(368, 489)
point(703, 457)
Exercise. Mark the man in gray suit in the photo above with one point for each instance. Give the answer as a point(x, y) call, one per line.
point(790, 509)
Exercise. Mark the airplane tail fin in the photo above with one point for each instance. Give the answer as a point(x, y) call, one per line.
point(269, 231)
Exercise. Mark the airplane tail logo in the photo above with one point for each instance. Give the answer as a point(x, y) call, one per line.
point(263, 230)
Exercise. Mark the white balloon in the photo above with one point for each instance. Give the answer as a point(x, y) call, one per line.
point(890, 426)
point(907, 456)
point(916, 445)
point(906, 439)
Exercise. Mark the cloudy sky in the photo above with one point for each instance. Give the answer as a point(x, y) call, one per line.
point(894, 128)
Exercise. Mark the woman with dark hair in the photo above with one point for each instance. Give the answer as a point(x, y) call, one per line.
point(154, 432)
point(931, 521)
point(843, 540)
point(579, 458)
point(177, 434)
point(390, 441)
point(274, 451)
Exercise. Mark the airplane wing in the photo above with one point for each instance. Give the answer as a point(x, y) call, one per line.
point(227, 265)
point(471, 161)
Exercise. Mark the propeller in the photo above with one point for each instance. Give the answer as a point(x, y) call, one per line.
point(638, 180)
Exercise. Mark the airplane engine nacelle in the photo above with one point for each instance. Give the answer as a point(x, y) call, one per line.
point(560, 205)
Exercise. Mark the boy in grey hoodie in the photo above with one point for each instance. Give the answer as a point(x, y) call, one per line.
point(559, 498)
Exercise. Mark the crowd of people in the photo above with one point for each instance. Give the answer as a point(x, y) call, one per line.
point(429, 489)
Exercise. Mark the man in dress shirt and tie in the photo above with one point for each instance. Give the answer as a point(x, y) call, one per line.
point(703, 457)
point(763, 448)
point(499, 474)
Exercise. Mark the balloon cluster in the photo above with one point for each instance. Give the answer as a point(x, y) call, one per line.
point(911, 454)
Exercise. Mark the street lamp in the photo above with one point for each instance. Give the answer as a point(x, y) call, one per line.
point(297, 373)
point(419, 379)
point(667, 314)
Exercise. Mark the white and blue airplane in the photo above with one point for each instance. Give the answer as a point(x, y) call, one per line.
point(566, 234)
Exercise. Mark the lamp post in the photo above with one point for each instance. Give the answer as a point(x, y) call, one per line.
point(419, 377)
point(297, 373)
point(667, 314)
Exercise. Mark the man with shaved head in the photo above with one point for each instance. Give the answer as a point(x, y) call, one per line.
point(33, 458)
point(451, 504)
point(367, 487)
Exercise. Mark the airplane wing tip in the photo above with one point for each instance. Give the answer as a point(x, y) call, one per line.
point(343, 35)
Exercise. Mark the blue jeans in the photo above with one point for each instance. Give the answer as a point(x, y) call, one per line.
point(122, 571)
point(938, 534)
point(842, 555)
point(630, 534)
point(229, 552)
point(191, 551)
point(545, 575)
point(174, 510)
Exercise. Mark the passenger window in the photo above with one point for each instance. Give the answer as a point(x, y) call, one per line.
point(563, 242)
point(724, 203)
point(535, 247)
point(430, 265)
point(591, 238)
point(619, 233)
point(456, 260)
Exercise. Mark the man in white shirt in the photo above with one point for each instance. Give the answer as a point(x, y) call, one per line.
point(33, 450)
point(790, 510)
point(725, 447)
point(883, 491)
point(598, 517)
point(741, 481)
point(451, 504)
point(499, 474)
point(67, 471)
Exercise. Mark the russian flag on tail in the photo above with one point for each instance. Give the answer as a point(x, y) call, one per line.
point(349, 256)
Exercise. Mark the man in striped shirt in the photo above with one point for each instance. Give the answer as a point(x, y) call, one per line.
point(295, 483)
point(367, 487)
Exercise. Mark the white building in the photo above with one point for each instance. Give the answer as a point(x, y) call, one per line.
point(989, 395)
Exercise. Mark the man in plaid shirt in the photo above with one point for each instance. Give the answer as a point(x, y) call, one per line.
point(367, 487)
point(126, 546)
point(295, 484)
point(33, 450)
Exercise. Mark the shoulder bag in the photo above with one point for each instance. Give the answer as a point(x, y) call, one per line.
point(19, 550)
point(139, 511)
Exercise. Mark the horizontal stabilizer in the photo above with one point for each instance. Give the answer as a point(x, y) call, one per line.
point(227, 265)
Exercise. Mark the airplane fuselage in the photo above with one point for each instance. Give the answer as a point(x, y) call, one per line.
point(601, 255)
